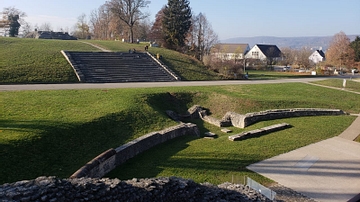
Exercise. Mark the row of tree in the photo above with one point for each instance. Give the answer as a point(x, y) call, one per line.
point(175, 26)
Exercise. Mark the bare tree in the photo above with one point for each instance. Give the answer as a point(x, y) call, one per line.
point(156, 32)
point(202, 36)
point(142, 29)
point(288, 56)
point(297, 57)
point(26, 28)
point(129, 12)
point(45, 27)
point(340, 53)
point(82, 28)
point(302, 57)
point(103, 24)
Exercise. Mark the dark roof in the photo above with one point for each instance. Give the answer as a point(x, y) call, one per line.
point(269, 50)
point(321, 53)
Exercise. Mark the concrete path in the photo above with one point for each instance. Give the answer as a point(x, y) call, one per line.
point(325, 171)
point(96, 46)
point(149, 84)
point(352, 131)
point(342, 89)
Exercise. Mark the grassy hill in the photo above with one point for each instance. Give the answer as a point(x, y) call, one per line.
point(57, 132)
point(40, 61)
point(37, 61)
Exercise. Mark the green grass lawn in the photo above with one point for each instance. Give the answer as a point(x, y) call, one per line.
point(37, 61)
point(266, 75)
point(357, 139)
point(338, 83)
point(57, 132)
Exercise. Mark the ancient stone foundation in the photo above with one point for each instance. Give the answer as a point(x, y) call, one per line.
point(244, 120)
point(156, 189)
point(112, 158)
point(259, 132)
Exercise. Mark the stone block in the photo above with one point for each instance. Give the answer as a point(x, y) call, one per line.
point(225, 130)
point(259, 132)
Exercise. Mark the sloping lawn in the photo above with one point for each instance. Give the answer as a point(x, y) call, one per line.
point(338, 83)
point(57, 132)
point(37, 60)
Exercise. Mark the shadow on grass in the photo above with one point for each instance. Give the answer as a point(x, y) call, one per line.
point(152, 162)
point(59, 148)
point(176, 102)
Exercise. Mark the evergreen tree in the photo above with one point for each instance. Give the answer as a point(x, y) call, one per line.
point(14, 19)
point(14, 25)
point(176, 23)
point(356, 46)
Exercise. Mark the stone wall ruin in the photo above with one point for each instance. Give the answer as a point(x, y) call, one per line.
point(110, 159)
point(154, 189)
point(244, 120)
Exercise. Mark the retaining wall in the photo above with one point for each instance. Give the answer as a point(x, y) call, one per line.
point(112, 158)
point(244, 120)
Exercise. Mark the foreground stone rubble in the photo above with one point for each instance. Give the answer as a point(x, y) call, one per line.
point(155, 189)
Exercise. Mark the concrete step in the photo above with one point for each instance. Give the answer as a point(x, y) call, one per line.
point(117, 67)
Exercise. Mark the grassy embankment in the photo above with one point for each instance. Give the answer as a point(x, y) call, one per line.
point(40, 61)
point(37, 61)
point(57, 132)
point(338, 83)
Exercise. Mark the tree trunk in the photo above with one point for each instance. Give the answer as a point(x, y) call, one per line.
point(131, 35)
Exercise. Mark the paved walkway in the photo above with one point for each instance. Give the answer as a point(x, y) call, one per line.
point(149, 84)
point(96, 46)
point(325, 171)
point(342, 89)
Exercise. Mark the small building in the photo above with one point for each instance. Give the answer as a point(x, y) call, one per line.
point(229, 51)
point(264, 52)
point(317, 56)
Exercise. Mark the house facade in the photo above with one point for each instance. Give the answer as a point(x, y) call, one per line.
point(230, 51)
point(317, 56)
point(264, 52)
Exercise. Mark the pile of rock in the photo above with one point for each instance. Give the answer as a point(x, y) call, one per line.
point(154, 189)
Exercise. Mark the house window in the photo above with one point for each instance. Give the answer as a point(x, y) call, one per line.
point(255, 54)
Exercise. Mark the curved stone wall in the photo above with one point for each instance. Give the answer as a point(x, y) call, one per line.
point(112, 158)
point(244, 120)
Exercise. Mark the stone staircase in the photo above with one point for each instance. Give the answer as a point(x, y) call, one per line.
point(117, 67)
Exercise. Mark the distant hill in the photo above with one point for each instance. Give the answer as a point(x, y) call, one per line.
point(315, 42)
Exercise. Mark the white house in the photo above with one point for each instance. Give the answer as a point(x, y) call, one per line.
point(264, 52)
point(317, 56)
point(230, 51)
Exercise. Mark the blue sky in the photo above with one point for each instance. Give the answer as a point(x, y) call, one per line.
point(229, 18)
